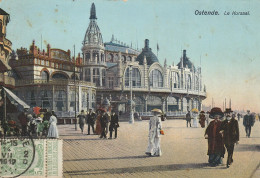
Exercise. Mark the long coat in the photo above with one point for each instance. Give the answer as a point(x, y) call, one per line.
point(91, 117)
point(113, 122)
point(215, 139)
point(231, 131)
point(248, 120)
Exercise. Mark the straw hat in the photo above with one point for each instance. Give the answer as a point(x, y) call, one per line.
point(195, 110)
point(157, 110)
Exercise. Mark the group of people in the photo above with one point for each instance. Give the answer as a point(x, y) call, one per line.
point(193, 115)
point(104, 122)
point(221, 134)
point(40, 125)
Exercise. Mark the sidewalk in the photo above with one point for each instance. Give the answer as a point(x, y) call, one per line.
point(184, 153)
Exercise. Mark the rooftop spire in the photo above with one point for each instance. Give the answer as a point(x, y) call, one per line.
point(93, 12)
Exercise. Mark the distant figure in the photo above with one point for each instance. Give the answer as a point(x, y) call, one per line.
point(216, 149)
point(230, 134)
point(202, 119)
point(23, 121)
point(98, 129)
point(82, 118)
point(195, 113)
point(188, 118)
point(238, 116)
point(248, 122)
point(103, 121)
point(53, 130)
point(91, 118)
point(207, 117)
point(155, 125)
point(113, 124)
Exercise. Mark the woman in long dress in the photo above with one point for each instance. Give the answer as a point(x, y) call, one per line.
point(154, 140)
point(98, 124)
point(53, 130)
point(195, 114)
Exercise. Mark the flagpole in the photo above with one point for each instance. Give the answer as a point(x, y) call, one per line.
point(75, 91)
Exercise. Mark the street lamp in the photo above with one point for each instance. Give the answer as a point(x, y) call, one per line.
point(75, 107)
point(131, 119)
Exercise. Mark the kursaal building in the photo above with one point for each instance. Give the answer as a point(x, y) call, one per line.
point(103, 74)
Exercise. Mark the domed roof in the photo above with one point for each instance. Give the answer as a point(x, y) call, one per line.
point(186, 62)
point(147, 52)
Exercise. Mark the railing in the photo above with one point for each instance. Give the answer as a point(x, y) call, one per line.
point(174, 113)
point(7, 80)
point(52, 82)
point(6, 42)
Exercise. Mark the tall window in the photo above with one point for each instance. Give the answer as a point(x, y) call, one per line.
point(156, 79)
point(103, 77)
point(136, 77)
point(87, 75)
point(45, 76)
point(176, 83)
point(96, 78)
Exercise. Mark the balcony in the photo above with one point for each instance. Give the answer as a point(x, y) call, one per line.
point(52, 82)
point(7, 81)
point(6, 43)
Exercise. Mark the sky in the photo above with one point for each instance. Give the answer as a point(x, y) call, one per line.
point(227, 47)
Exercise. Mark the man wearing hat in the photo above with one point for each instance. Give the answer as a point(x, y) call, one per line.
point(113, 124)
point(91, 118)
point(103, 122)
point(82, 118)
point(230, 134)
point(216, 149)
point(155, 126)
point(248, 122)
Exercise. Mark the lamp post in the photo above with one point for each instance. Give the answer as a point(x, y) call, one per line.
point(131, 119)
point(75, 107)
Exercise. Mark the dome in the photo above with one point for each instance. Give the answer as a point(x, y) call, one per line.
point(186, 62)
point(93, 34)
point(147, 52)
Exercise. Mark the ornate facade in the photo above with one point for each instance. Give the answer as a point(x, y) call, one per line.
point(46, 78)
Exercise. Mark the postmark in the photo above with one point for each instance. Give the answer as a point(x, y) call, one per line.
point(16, 156)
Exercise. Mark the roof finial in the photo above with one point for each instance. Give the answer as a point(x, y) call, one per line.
point(93, 12)
point(112, 39)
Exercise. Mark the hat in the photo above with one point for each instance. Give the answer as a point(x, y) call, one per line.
point(90, 108)
point(195, 110)
point(82, 110)
point(228, 110)
point(202, 112)
point(157, 110)
point(216, 111)
point(248, 111)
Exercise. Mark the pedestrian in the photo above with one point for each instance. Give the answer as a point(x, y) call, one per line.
point(113, 124)
point(82, 118)
point(154, 141)
point(53, 130)
point(91, 118)
point(98, 124)
point(195, 113)
point(238, 116)
point(248, 122)
point(103, 122)
point(202, 119)
point(188, 118)
point(23, 121)
point(230, 134)
point(39, 125)
point(216, 149)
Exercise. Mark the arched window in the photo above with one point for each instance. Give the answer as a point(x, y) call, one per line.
point(45, 75)
point(176, 83)
point(59, 76)
point(156, 79)
point(136, 77)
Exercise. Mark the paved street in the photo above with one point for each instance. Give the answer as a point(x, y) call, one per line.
point(184, 153)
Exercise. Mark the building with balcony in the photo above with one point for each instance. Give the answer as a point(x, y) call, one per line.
point(6, 77)
point(46, 78)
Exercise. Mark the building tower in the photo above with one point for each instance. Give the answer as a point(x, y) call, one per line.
point(94, 66)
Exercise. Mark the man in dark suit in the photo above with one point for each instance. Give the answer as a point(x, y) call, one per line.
point(248, 122)
point(91, 117)
point(113, 124)
point(230, 134)
point(188, 118)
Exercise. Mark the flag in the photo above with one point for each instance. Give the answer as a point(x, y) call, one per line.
point(158, 47)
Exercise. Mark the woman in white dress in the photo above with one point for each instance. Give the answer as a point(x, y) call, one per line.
point(154, 141)
point(53, 130)
point(195, 113)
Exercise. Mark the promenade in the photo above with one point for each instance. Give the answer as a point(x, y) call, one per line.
point(184, 153)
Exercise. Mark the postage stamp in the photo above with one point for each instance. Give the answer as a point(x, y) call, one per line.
point(31, 158)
